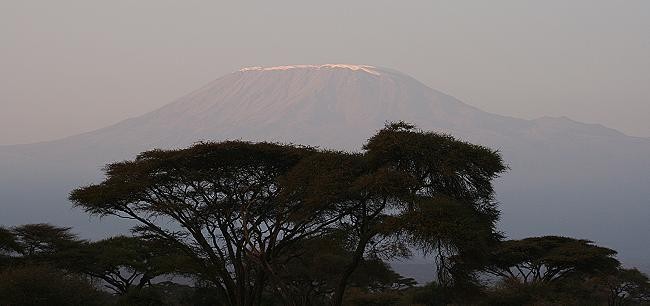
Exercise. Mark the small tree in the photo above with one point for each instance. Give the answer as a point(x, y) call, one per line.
point(549, 258)
point(624, 287)
point(124, 263)
point(43, 239)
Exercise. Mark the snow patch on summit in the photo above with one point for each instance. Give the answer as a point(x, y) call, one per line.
point(364, 68)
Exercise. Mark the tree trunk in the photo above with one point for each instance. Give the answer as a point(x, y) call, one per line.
point(337, 299)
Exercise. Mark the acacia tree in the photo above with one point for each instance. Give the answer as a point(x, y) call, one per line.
point(124, 263)
point(548, 259)
point(228, 206)
point(242, 210)
point(34, 241)
point(624, 287)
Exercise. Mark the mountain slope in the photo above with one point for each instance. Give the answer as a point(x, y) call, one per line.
point(566, 177)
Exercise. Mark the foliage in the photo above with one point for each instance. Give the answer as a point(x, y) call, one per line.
point(8, 243)
point(8, 246)
point(34, 243)
point(452, 212)
point(239, 210)
point(359, 297)
point(623, 287)
point(43, 285)
point(549, 258)
point(34, 240)
point(123, 263)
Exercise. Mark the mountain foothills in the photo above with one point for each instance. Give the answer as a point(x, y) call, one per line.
point(564, 178)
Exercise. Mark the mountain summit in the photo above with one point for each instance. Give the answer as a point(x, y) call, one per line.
point(321, 102)
point(334, 105)
point(566, 178)
point(364, 68)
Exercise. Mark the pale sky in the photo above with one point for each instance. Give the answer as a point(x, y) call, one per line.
point(72, 66)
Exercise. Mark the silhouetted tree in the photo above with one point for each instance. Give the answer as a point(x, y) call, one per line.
point(124, 263)
point(549, 258)
point(241, 210)
point(36, 244)
point(224, 200)
point(624, 287)
point(38, 240)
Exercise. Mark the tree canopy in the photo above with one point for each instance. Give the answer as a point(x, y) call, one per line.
point(242, 210)
point(549, 258)
point(123, 262)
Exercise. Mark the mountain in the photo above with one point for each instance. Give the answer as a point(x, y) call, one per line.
point(566, 177)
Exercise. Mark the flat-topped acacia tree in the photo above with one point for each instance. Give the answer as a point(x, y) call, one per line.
point(549, 259)
point(241, 211)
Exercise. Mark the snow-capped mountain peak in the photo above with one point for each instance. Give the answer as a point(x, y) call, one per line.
point(364, 68)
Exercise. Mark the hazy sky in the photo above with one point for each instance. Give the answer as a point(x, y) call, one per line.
point(73, 66)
